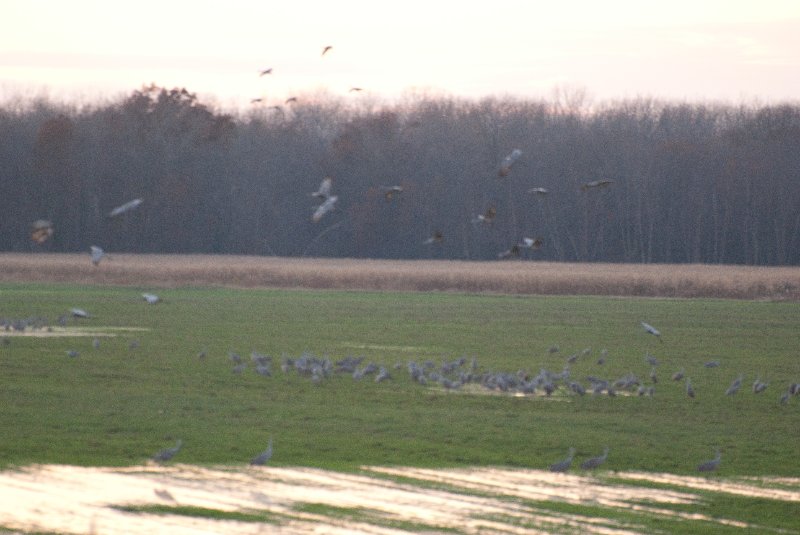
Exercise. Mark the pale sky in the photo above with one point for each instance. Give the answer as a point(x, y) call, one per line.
point(686, 50)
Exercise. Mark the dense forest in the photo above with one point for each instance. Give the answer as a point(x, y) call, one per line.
point(630, 181)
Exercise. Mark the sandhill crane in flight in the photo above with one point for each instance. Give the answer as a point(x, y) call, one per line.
point(41, 230)
point(652, 330)
point(324, 208)
point(265, 71)
point(389, 192)
point(256, 100)
point(324, 190)
point(563, 466)
point(128, 206)
point(508, 161)
point(713, 464)
point(594, 462)
point(355, 89)
point(487, 217)
point(97, 254)
point(168, 453)
point(436, 238)
point(262, 458)
point(326, 50)
point(596, 184)
point(290, 100)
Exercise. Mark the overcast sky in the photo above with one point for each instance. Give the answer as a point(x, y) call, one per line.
point(735, 50)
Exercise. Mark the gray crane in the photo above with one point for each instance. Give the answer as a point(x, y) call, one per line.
point(97, 254)
point(689, 389)
point(713, 464)
point(563, 466)
point(262, 458)
point(652, 330)
point(130, 205)
point(168, 453)
point(735, 385)
point(594, 462)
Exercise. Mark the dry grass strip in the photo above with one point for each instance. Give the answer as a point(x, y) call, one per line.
point(514, 277)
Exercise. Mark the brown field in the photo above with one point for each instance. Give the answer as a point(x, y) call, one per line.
point(514, 277)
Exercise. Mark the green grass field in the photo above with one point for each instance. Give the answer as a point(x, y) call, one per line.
point(116, 406)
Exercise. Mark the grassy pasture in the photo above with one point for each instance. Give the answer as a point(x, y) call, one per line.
point(117, 406)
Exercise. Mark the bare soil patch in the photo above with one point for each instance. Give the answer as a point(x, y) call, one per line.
point(513, 277)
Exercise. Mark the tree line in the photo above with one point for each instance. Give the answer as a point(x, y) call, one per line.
point(684, 182)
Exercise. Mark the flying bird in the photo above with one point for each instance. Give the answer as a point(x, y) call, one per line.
point(168, 453)
point(539, 191)
point(389, 192)
point(256, 100)
point(79, 313)
point(324, 190)
point(324, 208)
point(290, 100)
point(487, 217)
point(41, 231)
point(151, 299)
point(326, 50)
point(508, 161)
point(531, 243)
point(265, 71)
point(596, 184)
point(713, 464)
point(356, 89)
point(97, 254)
point(436, 238)
point(652, 330)
point(128, 206)
point(262, 458)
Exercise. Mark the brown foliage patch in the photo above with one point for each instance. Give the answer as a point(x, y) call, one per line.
point(517, 277)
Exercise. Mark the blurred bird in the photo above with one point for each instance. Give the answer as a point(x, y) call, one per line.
point(128, 206)
point(164, 494)
point(356, 89)
point(168, 453)
point(326, 50)
point(652, 330)
point(390, 191)
point(531, 243)
point(96, 343)
point(487, 217)
point(713, 464)
point(41, 231)
point(151, 299)
point(594, 462)
point(290, 100)
point(262, 458)
point(324, 190)
point(678, 375)
point(759, 386)
point(596, 184)
point(256, 100)
point(651, 359)
point(508, 161)
point(265, 71)
point(563, 466)
point(689, 389)
point(72, 353)
point(436, 238)
point(324, 208)
point(539, 191)
point(79, 313)
point(97, 254)
point(711, 364)
point(508, 253)
point(735, 385)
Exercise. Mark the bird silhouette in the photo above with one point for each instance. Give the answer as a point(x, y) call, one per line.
point(97, 254)
point(324, 190)
point(326, 50)
point(508, 161)
point(128, 206)
point(596, 184)
point(41, 231)
point(563, 466)
point(437, 237)
point(594, 462)
point(262, 458)
point(713, 464)
point(168, 453)
point(324, 208)
point(265, 71)
point(290, 100)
